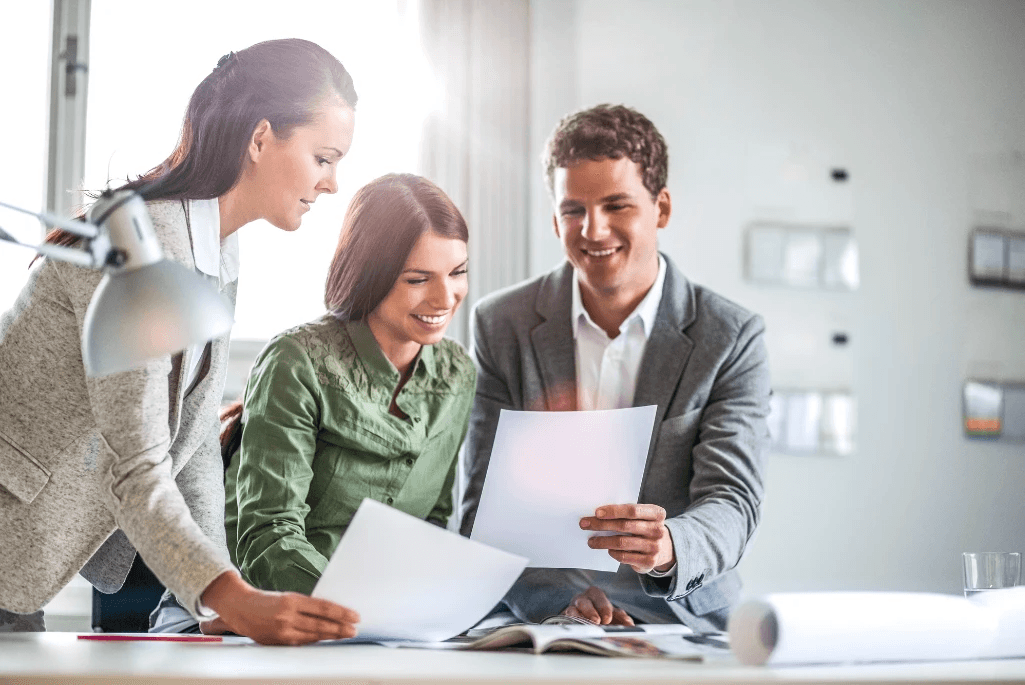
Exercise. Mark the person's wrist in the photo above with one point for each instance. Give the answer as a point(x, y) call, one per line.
point(224, 593)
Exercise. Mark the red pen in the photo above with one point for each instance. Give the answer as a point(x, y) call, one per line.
point(150, 637)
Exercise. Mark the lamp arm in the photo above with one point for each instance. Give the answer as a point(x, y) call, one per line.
point(94, 255)
point(86, 230)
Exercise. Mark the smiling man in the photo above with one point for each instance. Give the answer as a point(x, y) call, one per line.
point(618, 325)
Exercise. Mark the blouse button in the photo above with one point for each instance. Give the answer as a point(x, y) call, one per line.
point(409, 462)
point(389, 500)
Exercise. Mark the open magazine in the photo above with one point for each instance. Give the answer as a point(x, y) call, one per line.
point(560, 634)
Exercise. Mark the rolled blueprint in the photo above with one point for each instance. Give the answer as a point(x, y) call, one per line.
point(849, 627)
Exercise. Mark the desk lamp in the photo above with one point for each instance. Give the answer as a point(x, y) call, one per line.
point(145, 306)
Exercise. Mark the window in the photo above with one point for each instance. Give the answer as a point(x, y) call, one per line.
point(23, 42)
point(145, 61)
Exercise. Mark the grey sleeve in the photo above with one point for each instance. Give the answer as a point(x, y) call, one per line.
point(131, 410)
point(201, 482)
point(728, 463)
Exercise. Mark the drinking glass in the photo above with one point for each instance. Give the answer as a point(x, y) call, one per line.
point(985, 571)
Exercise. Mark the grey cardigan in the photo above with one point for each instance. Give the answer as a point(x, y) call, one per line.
point(92, 469)
point(705, 367)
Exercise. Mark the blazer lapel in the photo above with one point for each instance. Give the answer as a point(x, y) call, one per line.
point(553, 343)
point(176, 385)
point(669, 347)
point(181, 362)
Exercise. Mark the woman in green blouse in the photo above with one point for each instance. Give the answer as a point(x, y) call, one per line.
point(369, 400)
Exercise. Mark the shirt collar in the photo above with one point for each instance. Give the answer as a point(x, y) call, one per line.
point(376, 362)
point(213, 256)
point(646, 310)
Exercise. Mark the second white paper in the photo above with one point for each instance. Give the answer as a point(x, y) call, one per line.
point(550, 469)
point(410, 580)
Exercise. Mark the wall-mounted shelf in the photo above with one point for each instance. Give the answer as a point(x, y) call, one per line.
point(994, 410)
point(813, 422)
point(801, 256)
point(996, 257)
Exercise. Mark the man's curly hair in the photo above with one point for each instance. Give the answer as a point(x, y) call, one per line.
point(608, 131)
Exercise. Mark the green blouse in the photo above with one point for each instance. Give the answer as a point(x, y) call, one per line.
point(317, 438)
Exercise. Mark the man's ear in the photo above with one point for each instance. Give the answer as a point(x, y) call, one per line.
point(555, 226)
point(259, 138)
point(665, 207)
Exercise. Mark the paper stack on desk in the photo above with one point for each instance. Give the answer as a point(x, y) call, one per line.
point(410, 580)
point(851, 627)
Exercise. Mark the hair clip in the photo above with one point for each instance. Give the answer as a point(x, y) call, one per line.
point(225, 59)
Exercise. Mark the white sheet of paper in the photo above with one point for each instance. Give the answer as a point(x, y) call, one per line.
point(550, 469)
point(854, 627)
point(410, 580)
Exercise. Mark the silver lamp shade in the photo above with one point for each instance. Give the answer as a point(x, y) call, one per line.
point(148, 312)
point(145, 306)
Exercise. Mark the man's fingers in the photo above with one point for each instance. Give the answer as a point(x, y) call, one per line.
point(640, 527)
point(647, 512)
point(593, 605)
point(575, 613)
point(586, 609)
point(621, 618)
point(601, 604)
point(625, 543)
point(641, 563)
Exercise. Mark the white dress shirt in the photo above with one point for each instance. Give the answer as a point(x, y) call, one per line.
point(214, 257)
point(607, 368)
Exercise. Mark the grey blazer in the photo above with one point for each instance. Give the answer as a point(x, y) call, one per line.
point(705, 366)
point(92, 469)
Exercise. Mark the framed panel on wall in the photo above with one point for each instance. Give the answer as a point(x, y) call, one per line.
point(996, 257)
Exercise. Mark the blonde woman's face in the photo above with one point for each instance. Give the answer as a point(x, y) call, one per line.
point(420, 306)
point(289, 174)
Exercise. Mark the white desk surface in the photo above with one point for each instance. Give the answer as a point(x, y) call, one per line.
point(62, 658)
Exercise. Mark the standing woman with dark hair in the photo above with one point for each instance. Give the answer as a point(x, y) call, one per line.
point(94, 469)
point(367, 401)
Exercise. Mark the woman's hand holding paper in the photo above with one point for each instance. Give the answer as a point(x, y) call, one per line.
point(275, 618)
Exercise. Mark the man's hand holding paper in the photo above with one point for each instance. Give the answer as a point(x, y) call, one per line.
point(642, 540)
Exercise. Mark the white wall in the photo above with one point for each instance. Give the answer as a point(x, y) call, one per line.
point(913, 98)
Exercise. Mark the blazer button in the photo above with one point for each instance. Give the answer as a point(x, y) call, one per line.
point(409, 461)
point(390, 500)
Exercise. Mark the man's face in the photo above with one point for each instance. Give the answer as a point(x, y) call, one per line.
point(608, 224)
